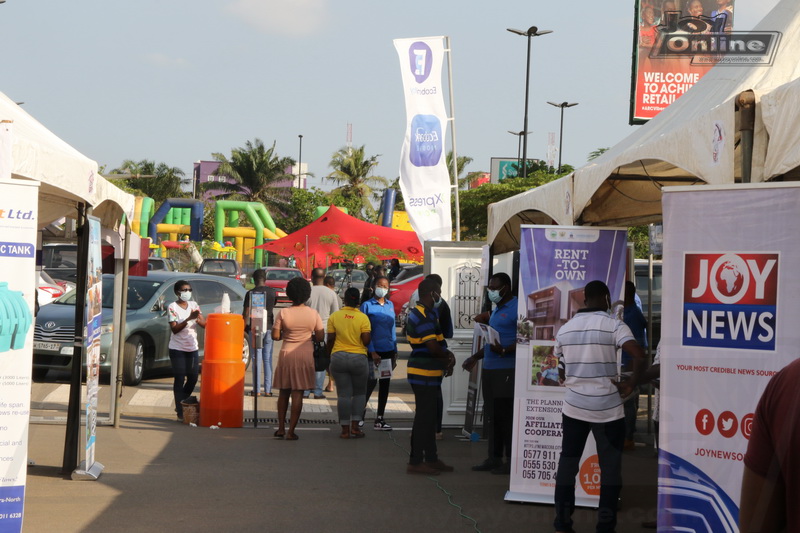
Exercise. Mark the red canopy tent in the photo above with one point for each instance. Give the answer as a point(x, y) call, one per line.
point(306, 242)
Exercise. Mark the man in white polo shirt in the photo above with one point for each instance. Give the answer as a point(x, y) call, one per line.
point(587, 350)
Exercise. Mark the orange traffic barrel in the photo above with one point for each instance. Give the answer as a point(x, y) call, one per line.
point(222, 383)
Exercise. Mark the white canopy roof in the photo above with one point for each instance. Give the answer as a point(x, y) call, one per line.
point(679, 147)
point(67, 177)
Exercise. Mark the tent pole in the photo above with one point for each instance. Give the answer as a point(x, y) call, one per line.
point(123, 308)
point(746, 102)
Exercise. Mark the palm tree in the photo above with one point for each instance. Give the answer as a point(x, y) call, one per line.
point(463, 161)
point(259, 175)
point(352, 172)
point(159, 181)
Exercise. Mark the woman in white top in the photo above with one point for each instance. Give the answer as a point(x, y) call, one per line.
point(184, 317)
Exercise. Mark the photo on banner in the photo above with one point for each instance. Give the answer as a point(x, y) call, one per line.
point(663, 66)
point(556, 263)
point(729, 325)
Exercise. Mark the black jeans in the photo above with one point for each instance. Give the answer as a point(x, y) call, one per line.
point(610, 437)
point(423, 432)
point(185, 367)
point(383, 388)
point(498, 409)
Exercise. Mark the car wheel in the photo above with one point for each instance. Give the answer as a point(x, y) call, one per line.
point(38, 374)
point(246, 351)
point(133, 364)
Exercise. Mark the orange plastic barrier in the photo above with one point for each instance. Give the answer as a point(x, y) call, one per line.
point(222, 384)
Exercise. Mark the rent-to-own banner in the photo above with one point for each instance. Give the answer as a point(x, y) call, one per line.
point(18, 226)
point(424, 179)
point(556, 263)
point(729, 323)
point(662, 71)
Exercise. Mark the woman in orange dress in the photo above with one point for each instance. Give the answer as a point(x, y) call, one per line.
point(294, 372)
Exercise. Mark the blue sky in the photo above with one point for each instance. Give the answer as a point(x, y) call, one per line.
point(177, 80)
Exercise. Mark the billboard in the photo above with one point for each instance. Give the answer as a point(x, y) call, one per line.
point(674, 46)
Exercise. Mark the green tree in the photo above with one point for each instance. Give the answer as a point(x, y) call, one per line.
point(594, 154)
point(304, 202)
point(259, 175)
point(475, 202)
point(159, 181)
point(353, 172)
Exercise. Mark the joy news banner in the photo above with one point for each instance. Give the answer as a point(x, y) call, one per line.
point(424, 180)
point(556, 263)
point(19, 207)
point(729, 324)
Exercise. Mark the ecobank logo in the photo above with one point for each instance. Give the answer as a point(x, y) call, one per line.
point(426, 141)
point(706, 41)
point(421, 58)
point(730, 300)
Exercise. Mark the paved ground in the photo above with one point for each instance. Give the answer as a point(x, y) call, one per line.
point(161, 475)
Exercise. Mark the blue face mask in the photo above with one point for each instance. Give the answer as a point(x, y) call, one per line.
point(494, 296)
point(381, 292)
point(437, 303)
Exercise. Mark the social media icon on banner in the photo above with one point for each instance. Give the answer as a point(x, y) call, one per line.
point(704, 421)
point(727, 424)
point(747, 425)
point(421, 58)
point(426, 141)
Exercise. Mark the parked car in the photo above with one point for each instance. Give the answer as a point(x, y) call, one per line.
point(400, 293)
point(161, 263)
point(229, 268)
point(278, 278)
point(147, 331)
point(60, 261)
point(47, 289)
point(641, 273)
point(356, 279)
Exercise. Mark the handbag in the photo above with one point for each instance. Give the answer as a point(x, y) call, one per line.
point(321, 358)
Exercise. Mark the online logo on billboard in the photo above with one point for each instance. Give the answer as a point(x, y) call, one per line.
point(706, 41)
point(421, 59)
point(426, 141)
point(730, 300)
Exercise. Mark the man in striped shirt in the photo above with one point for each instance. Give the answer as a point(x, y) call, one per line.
point(429, 362)
point(587, 347)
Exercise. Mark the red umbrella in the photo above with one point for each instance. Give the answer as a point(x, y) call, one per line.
point(323, 238)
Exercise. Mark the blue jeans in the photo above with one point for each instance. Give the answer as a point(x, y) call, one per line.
point(185, 368)
point(609, 437)
point(262, 365)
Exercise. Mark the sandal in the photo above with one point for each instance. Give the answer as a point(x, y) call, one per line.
point(279, 435)
point(292, 436)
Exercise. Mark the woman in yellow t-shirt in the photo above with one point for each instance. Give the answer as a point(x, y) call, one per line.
point(348, 337)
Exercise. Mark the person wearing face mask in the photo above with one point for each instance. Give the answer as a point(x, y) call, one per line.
point(382, 346)
point(587, 350)
point(184, 316)
point(499, 361)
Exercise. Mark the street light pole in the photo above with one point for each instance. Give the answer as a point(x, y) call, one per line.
point(519, 135)
point(562, 105)
point(533, 31)
point(300, 164)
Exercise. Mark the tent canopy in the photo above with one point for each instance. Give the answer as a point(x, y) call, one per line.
point(308, 241)
point(67, 177)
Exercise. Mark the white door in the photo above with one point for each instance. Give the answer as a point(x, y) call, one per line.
point(459, 264)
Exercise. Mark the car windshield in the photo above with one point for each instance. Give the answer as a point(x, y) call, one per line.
point(219, 267)
point(140, 291)
point(355, 275)
point(283, 274)
point(408, 272)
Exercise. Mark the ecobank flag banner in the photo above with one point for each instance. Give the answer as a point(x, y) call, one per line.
point(18, 226)
point(729, 323)
point(424, 180)
point(556, 263)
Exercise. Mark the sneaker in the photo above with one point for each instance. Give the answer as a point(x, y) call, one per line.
point(381, 425)
point(361, 423)
point(488, 465)
point(440, 466)
point(421, 468)
point(319, 396)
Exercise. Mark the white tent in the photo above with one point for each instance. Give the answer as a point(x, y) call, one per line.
point(67, 177)
point(695, 141)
